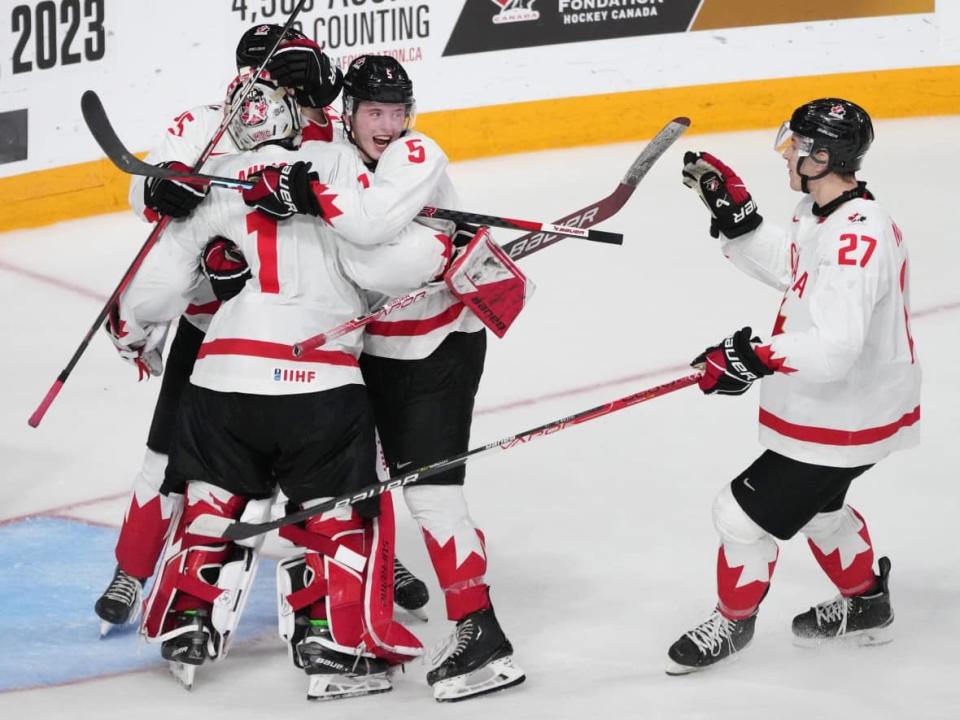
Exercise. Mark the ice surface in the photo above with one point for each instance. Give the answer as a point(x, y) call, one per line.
point(601, 546)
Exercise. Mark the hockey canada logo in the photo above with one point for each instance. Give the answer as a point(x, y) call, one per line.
point(712, 184)
point(512, 11)
point(254, 111)
point(857, 218)
point(838, 111)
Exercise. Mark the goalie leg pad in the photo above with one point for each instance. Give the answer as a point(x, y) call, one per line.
point(148, 519)
point(489, 283)
point(191, 569)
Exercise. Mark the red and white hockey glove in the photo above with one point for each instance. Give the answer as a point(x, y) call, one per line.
point(142, 347)
point(225, 267)
point(300, 64)
point(172, 197)
point(286, 191)
point(723, 192)
point(484, 278)
point(731, 367)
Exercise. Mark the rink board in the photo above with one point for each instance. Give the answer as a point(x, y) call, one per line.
point(51, 572)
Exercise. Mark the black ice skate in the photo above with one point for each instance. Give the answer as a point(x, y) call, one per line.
point(409, 591)
point(335, 674)
point(189, 649)
point(120, 602)
point(481, 661)
point(713, 640)
point(861, 620)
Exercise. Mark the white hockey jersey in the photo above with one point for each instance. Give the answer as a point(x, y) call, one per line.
point(305, 277)
point(413, 168)
point(183, 141)
point(848, 392)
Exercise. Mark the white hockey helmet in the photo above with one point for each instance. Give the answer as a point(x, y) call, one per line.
point(269, 114)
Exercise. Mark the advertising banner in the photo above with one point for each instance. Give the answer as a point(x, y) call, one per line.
point(486, 25)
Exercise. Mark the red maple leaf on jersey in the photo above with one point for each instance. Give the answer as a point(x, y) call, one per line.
point(328, 210)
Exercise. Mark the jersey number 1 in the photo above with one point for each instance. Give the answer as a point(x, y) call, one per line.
point(265, 228)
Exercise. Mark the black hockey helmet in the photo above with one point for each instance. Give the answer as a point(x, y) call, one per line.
point(842, 128)
point(378, 78)
point(257, 41)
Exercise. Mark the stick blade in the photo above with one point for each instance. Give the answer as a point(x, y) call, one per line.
point(660, 143)
point(99, 125)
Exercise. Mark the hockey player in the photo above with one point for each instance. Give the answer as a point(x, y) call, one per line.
point(840, 390)
point(301, 65)
point(422, 368)
point(254, 418)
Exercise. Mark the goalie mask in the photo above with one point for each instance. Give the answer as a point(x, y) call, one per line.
point(268, 114)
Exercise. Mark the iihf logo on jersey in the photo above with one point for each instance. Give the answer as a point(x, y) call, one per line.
point(514, 11)
point(297, 376)
point(838, 111)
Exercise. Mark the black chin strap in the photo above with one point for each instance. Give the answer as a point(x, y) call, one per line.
point(804, 179)
point(860, 191)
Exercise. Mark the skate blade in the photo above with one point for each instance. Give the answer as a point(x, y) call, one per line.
point(105, 628)
point(496, 675)
point(183, 673)
point(336, 687)
point(675, 669)
point(862, 638)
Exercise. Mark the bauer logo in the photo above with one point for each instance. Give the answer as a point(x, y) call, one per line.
point(293, 376)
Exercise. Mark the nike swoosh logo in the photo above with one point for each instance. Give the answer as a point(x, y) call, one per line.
point(401, 466)
point(746, 481)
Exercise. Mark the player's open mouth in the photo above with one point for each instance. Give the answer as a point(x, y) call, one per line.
point(381, 141)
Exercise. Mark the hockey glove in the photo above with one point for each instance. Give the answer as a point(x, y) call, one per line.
point(300, 64)
point(723, 192)
point(172, 197)
point(285, 191)
point(225, 267)
point(731, 367)
point(141, 347)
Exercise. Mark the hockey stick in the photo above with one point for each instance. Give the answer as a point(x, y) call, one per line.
point(103, 132)
point(154, 235)
point(215, 526)
point(531, 242)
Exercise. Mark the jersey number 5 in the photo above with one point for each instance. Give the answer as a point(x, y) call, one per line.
point(853, 243)
point(417, 152)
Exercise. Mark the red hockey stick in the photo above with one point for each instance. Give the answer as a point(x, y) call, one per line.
point(531, 242)
point(217, 526)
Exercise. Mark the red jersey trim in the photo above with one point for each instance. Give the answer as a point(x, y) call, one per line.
point(415, 327)
point(206, 309)
point(273, 351)
point(827, 436)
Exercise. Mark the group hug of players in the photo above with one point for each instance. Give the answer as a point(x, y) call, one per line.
point(329, 229)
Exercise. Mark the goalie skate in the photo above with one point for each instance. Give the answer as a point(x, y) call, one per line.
point(334, 673)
